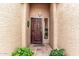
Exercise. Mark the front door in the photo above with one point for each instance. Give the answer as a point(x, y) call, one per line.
point(36, 30)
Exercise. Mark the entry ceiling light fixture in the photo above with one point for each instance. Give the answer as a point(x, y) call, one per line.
point(39, 14)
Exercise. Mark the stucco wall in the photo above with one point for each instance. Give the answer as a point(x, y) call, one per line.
point(39, 10)
point(51, 30)
point(53, 35)
point(28, 28)
point(25, 29)
point(10, 27)
point(68, 28)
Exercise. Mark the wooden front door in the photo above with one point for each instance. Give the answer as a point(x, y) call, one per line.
point(36, 30)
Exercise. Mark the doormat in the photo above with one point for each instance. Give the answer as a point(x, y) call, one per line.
point(38, 45)
point(39, 49)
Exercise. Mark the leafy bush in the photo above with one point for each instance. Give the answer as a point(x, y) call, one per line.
point(22, 52)
point(57, 52)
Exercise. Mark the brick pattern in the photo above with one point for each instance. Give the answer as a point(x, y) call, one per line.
point(10, 27)
point(68, 28)
point(41, 50)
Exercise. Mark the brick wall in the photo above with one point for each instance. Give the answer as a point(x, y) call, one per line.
point(68, 28)
point(10, 27)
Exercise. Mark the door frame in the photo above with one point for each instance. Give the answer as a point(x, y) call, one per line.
point(41, 26)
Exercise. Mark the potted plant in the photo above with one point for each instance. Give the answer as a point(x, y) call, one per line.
point(57, 52)
point(22, 52)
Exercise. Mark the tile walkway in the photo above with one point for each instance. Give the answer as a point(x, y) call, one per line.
point(41, 50)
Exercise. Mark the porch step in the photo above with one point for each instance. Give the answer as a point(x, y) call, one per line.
point(41, 50)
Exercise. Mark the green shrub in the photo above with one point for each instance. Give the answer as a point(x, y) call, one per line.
point(57, 52)
point(22, 52)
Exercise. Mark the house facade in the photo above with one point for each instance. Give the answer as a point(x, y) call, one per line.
point(55, 24)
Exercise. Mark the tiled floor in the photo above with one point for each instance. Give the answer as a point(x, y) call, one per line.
point(41, 50)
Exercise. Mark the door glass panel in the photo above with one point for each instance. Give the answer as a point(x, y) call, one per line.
point(46, 28)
